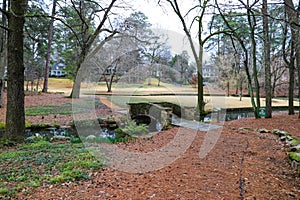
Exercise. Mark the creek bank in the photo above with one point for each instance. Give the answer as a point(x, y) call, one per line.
point(291, 144)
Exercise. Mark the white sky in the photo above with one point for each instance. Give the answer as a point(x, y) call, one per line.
point(168, 22)
point(158, 17)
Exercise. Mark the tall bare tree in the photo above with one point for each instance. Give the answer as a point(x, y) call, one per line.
point(267, 60)
point(3, 40)
point(293, 13)
point(237, 35)
point(199, 9)
point(86, 35)
point(15, 113)
point(50, 38)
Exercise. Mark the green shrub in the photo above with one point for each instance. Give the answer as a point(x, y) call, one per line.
point(75, 140)
point(133, 129)
point(2, 125)
point(40, 126)
point(37, 145)
point(3, 191)
point(294, 156)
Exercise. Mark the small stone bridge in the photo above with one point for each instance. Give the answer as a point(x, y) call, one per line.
point(158, 113)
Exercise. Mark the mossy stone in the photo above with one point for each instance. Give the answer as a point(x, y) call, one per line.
point(294, 156)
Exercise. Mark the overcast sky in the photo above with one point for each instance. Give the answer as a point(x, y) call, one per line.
point(167, 21)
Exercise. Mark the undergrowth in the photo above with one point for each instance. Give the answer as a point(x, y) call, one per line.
point(31, 165)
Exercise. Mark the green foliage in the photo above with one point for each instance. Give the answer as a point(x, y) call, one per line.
point(295, 142)
point(75, 140)
point(33, 139)
point(294, 156)
point(74, 175)
point(83, 123)
point(2, 125)
point(133, 129)
point(129, 132)
point(96, 140)
point(27, 124)
point(38, 145)
point(39, 126)
point(6, 143)
point(3, 191)
point(20, 167)
point(46, 110)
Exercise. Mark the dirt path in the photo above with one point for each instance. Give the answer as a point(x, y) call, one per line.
point(109, 104)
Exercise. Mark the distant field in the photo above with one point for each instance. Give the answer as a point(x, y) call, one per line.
point(182, 95)
point(191, 101)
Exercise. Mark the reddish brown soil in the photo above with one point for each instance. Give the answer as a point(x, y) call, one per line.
point(242, 165)
point(47, 99)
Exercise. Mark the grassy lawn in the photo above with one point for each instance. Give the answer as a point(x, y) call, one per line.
point(124, 93)
point(65, 109)
point(35, 164)
point(122, 101)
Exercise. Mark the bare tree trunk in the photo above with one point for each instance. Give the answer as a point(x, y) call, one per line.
point(37, 84)
point(198, 57)
point(31, 85)
point(150, 74)
point(292, 18)
point(297, 38)
point(200, 102)
point(252, 24)
point(241, 89)
point(246, 59)
point(3, 39)
point(76, 87)
point(268, 83)
point(110, 83)
point(291, 85)
point(228, 88)
point(87, 46)
point(237, 86)
point(50, 38)
point(15, 113)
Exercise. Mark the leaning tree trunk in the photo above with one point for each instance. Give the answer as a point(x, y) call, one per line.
point(87, 47)
point(15, 114)
point(79, 75)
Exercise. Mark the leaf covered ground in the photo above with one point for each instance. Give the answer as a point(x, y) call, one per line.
point(244, 164)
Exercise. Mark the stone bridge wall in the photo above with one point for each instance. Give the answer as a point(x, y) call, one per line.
point(161, 114)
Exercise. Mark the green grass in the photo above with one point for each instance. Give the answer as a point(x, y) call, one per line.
point(64, 109)
point(285, 98)
point(122, 101)
point(29, 165)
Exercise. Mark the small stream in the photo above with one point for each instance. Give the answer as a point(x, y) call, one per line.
point(68, 131)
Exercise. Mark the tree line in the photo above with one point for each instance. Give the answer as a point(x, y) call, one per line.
point(253, 41)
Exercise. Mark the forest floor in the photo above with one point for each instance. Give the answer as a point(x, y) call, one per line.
point(243, 164)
